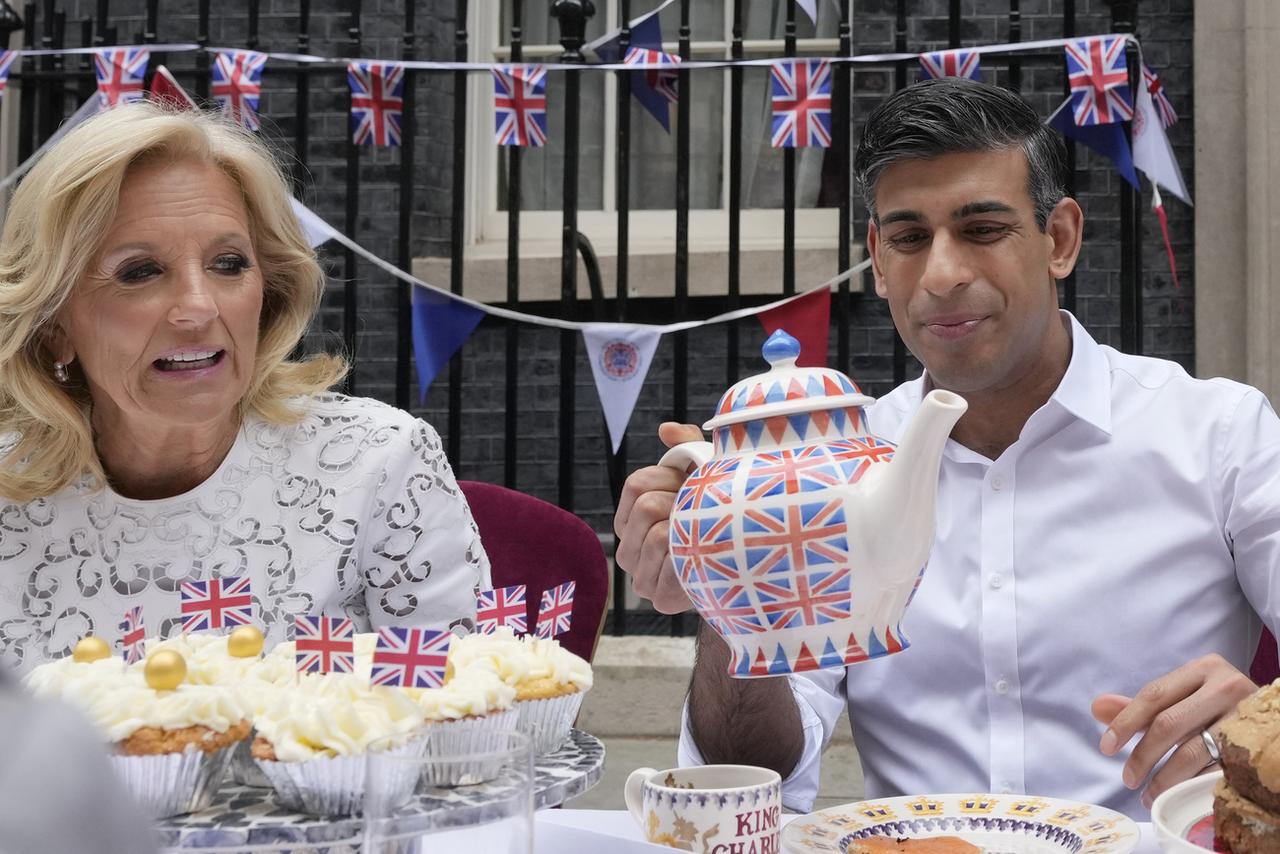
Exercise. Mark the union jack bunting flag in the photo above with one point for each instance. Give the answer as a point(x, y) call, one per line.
point(661, 80)
point(377, 102)
point(555, 612)
point(520, 105)
point(411, 658)
point(1168, 117)
point(801, 103)
point(324, 644)
point(120, 71)
point(237, 84)
point(1099, 78)
point(503, 606)
point(134, 635)
point(218, 603)
point(6, 62)
point(950, 63)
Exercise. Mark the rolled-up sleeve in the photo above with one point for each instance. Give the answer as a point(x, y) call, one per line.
point(819, 696)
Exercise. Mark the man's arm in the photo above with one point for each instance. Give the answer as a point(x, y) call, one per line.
point(741, 721)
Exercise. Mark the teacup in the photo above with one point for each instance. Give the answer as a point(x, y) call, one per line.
point(717, 809)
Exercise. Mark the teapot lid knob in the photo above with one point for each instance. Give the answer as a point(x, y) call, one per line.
point(781, 350)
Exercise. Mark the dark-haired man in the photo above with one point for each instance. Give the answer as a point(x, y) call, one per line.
point(1106, 523)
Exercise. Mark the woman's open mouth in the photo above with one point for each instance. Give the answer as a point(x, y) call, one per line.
point(192, 361)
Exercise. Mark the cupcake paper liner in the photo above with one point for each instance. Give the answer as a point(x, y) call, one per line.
point(244, 769)
point(170, 784)
point(547, 722)
point(335, 785)
point(478, 735)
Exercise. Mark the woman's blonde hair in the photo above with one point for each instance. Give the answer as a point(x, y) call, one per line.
point(56, 222)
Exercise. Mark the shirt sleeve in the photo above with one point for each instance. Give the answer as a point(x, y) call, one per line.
point(1249, 455)
point(423, 558)
point(820, 700)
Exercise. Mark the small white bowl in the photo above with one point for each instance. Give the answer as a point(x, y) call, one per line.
point(1180, 808)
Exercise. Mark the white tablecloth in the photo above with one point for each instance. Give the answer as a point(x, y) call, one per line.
point(614, 831)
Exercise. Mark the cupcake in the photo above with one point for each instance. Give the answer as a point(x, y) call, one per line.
point(172, 740)
point(469, 714)
point(549, 681)
point(313, 737)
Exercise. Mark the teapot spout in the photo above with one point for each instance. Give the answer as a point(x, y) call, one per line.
point(901, 507)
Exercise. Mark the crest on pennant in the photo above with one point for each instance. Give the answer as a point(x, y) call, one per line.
point(620, 359)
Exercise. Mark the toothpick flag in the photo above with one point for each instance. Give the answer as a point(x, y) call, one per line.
point(555, 613)
point(808, 320)
point(951, 63)
point(165, 89)
point(218, 603)
point(6, 62)
point(520, 105)
point(237, 84)
point(440, 326)
point(377, 102)
point(120, 71)
point(1099, 78)
point(410, 658)
point(502, 606)
point(801, 103)
point(1108, 140)
point(135, 635)
point(620, 355)
point(324, 644)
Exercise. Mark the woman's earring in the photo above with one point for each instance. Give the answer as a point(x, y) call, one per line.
point(60, 372)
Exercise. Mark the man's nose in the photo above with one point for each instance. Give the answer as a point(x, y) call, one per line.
point(947, 266)
point(194, 304)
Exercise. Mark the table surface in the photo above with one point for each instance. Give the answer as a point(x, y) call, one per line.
point(559, 831)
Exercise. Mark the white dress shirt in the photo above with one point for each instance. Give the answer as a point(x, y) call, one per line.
point(1132, 527)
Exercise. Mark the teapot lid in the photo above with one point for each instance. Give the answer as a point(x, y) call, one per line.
point(785, 389)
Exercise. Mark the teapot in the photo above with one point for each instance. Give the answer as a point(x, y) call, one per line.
point(800, 537)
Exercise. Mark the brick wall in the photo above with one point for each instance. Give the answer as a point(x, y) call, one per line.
point(1165, 27)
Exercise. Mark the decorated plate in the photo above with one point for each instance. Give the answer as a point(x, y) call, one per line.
point(998, 824)
point(1183, 816)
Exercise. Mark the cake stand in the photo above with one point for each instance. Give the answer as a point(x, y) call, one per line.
point(241, 818)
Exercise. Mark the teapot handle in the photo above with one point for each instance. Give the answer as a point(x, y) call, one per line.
point(687, 456)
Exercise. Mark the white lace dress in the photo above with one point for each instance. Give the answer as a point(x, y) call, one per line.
point(354, 511)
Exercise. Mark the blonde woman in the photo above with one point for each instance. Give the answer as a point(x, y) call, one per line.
point(153, 427)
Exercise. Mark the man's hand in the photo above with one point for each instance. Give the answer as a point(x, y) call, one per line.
point(1171, 711)
point(641, 526)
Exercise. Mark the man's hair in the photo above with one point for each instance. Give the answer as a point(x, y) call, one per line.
point(953, 115)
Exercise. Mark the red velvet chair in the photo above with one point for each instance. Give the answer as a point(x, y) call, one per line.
point(1266, 664)
point(533, 542)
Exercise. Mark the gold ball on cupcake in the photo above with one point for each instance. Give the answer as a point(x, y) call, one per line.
point(245, 642)
point(165, 670)
point(91, 648)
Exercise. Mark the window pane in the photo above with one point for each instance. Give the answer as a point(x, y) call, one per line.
point(762, 171)
point(653, 150)
point(540, 27)
point(542, 169)
point(767, 19)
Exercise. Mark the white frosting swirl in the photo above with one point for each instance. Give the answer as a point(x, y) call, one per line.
point(520, 659)
point(472, 693)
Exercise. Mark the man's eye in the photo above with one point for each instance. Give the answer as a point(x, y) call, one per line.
point(140, 272)
point(988, 230)
point(231, 264)
point(910, 239)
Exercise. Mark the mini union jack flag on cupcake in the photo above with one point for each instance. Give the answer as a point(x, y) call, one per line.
point(502, 606)
point(134, 635)
point(324, 644)
point(555, 612)
point(411, 658)
point(219, 603)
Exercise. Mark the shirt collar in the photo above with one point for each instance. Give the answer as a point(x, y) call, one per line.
point(1085, 389)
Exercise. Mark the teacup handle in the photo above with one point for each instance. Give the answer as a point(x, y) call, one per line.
point(633, 794)
point(687, 455)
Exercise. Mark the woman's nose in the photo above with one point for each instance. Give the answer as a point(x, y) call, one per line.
point(194, 304)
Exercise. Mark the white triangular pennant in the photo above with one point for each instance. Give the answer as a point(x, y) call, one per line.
point(620, 354)
point(1152, 152)
point(810, 8)
point(316, 230)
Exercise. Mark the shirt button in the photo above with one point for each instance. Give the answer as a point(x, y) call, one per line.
point(997, 580)
point(997, 482)
point(1002, 686)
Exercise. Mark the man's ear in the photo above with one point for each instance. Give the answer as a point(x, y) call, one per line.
point(1065, 228)
point(873, 249)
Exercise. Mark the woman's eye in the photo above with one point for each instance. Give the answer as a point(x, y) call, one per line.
point(231, 264)
point(133, 273)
